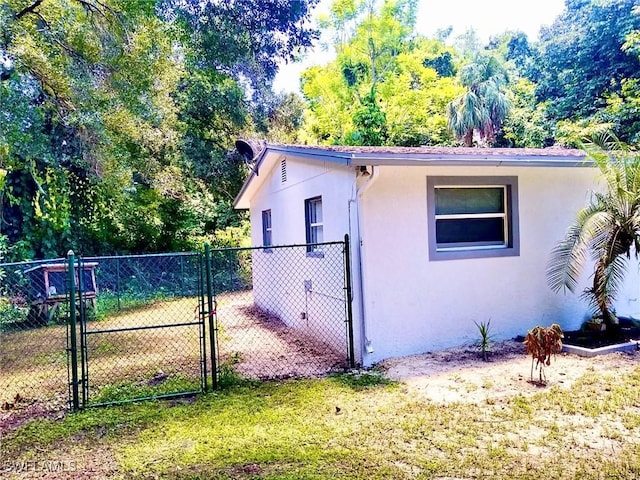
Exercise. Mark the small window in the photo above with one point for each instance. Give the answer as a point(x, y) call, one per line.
point(471, 217)
point(266, 228)
point(313, 220)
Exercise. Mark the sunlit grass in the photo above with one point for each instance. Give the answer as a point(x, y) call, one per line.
point(359, 427)
point(34, 362)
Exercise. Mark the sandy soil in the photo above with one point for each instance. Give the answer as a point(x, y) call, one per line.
point(459, 374)
point(266, 348)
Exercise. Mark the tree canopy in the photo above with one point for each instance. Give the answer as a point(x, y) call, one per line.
point(118, 117)
point(586, 69)
point(386, 85)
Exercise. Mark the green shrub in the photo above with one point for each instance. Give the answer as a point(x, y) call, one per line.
point(13, 313)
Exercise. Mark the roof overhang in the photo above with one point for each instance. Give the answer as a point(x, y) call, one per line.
point(411, 156)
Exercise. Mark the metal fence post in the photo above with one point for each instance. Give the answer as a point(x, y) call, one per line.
point(73, 334)
point(83, 337)
point(118, 282)
point(210, 314)
point(203, 328)
point(349, 298)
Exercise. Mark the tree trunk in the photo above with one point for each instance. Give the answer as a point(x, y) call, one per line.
point(468, 138)
point(602, 299)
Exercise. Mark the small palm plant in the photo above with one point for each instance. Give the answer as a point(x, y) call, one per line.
point(608, 228)
point(486, 339)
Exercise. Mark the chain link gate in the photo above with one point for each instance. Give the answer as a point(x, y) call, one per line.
point(283, 311)
point(152, 344)
point(104, 330)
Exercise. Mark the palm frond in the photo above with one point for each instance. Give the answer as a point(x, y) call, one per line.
point(484, 105)
point(568, 256)
point(615, 274)
point(465, 113)
point(599, 143)
point(609, 227)
point(607, 280)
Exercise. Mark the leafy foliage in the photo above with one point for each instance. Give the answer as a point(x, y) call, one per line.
point(370, 122)
point(580, 64)
point(120, 117)
point(484, 105)
point(387, 85)
point(484, 344)
point(608, 228)
point(527, 124)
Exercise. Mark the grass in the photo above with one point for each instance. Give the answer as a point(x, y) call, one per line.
point(353, 427)
point(126, 391)
point(34, 362)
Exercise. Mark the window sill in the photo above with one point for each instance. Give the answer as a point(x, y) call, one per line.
point(458, 254)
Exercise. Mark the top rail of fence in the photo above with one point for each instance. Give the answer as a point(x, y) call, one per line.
point(142, 255)
point(270, 247)
point(168, 254)
point(100, 257)
point(31, 262)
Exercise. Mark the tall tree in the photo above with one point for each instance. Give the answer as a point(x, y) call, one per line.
point(368, 36)
point(116, 121)
point(527, 124)
point(232, 51)
point(65, 87)
point(580, 63)
point(386, 86)
point(483, 107)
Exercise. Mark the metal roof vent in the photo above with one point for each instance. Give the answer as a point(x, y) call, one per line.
point(283, 170)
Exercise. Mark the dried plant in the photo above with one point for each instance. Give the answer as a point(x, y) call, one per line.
point(541, 343)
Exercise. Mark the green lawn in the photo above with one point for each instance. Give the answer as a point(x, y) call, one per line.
point(33, 362)
point(293, 430)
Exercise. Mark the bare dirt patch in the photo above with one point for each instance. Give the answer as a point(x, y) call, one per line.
point(261, 346)
point(459, 374)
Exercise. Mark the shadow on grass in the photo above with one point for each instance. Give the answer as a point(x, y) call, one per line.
point(362, 379)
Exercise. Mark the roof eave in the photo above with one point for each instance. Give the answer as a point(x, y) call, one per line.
point(472, 160)
point(340, 158)
point(254, 173)
point(358, 159)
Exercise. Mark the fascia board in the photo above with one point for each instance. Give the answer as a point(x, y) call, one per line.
point(471, 160)
point(357, 159)
point(241, 202)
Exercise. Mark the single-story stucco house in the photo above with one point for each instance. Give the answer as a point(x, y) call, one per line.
point(441, 237)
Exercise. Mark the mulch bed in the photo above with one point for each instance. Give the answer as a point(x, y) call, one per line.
point(629, 330)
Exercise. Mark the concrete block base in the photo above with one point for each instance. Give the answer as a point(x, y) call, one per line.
point(592, 352)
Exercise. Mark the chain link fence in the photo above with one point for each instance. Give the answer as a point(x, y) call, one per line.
point(282, 311)
point(33, 337)
point(149, 326)
point(139, 330)
point(143, 335)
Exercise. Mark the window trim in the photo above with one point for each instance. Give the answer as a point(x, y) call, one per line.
point(267, 231)
point(512, 227)
point(315, 251)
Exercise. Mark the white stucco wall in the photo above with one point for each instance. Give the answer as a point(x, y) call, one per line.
point(305, 179)
point(279, 276)
point(414, 305)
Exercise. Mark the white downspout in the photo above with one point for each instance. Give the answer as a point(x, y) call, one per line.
point(367, 347)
